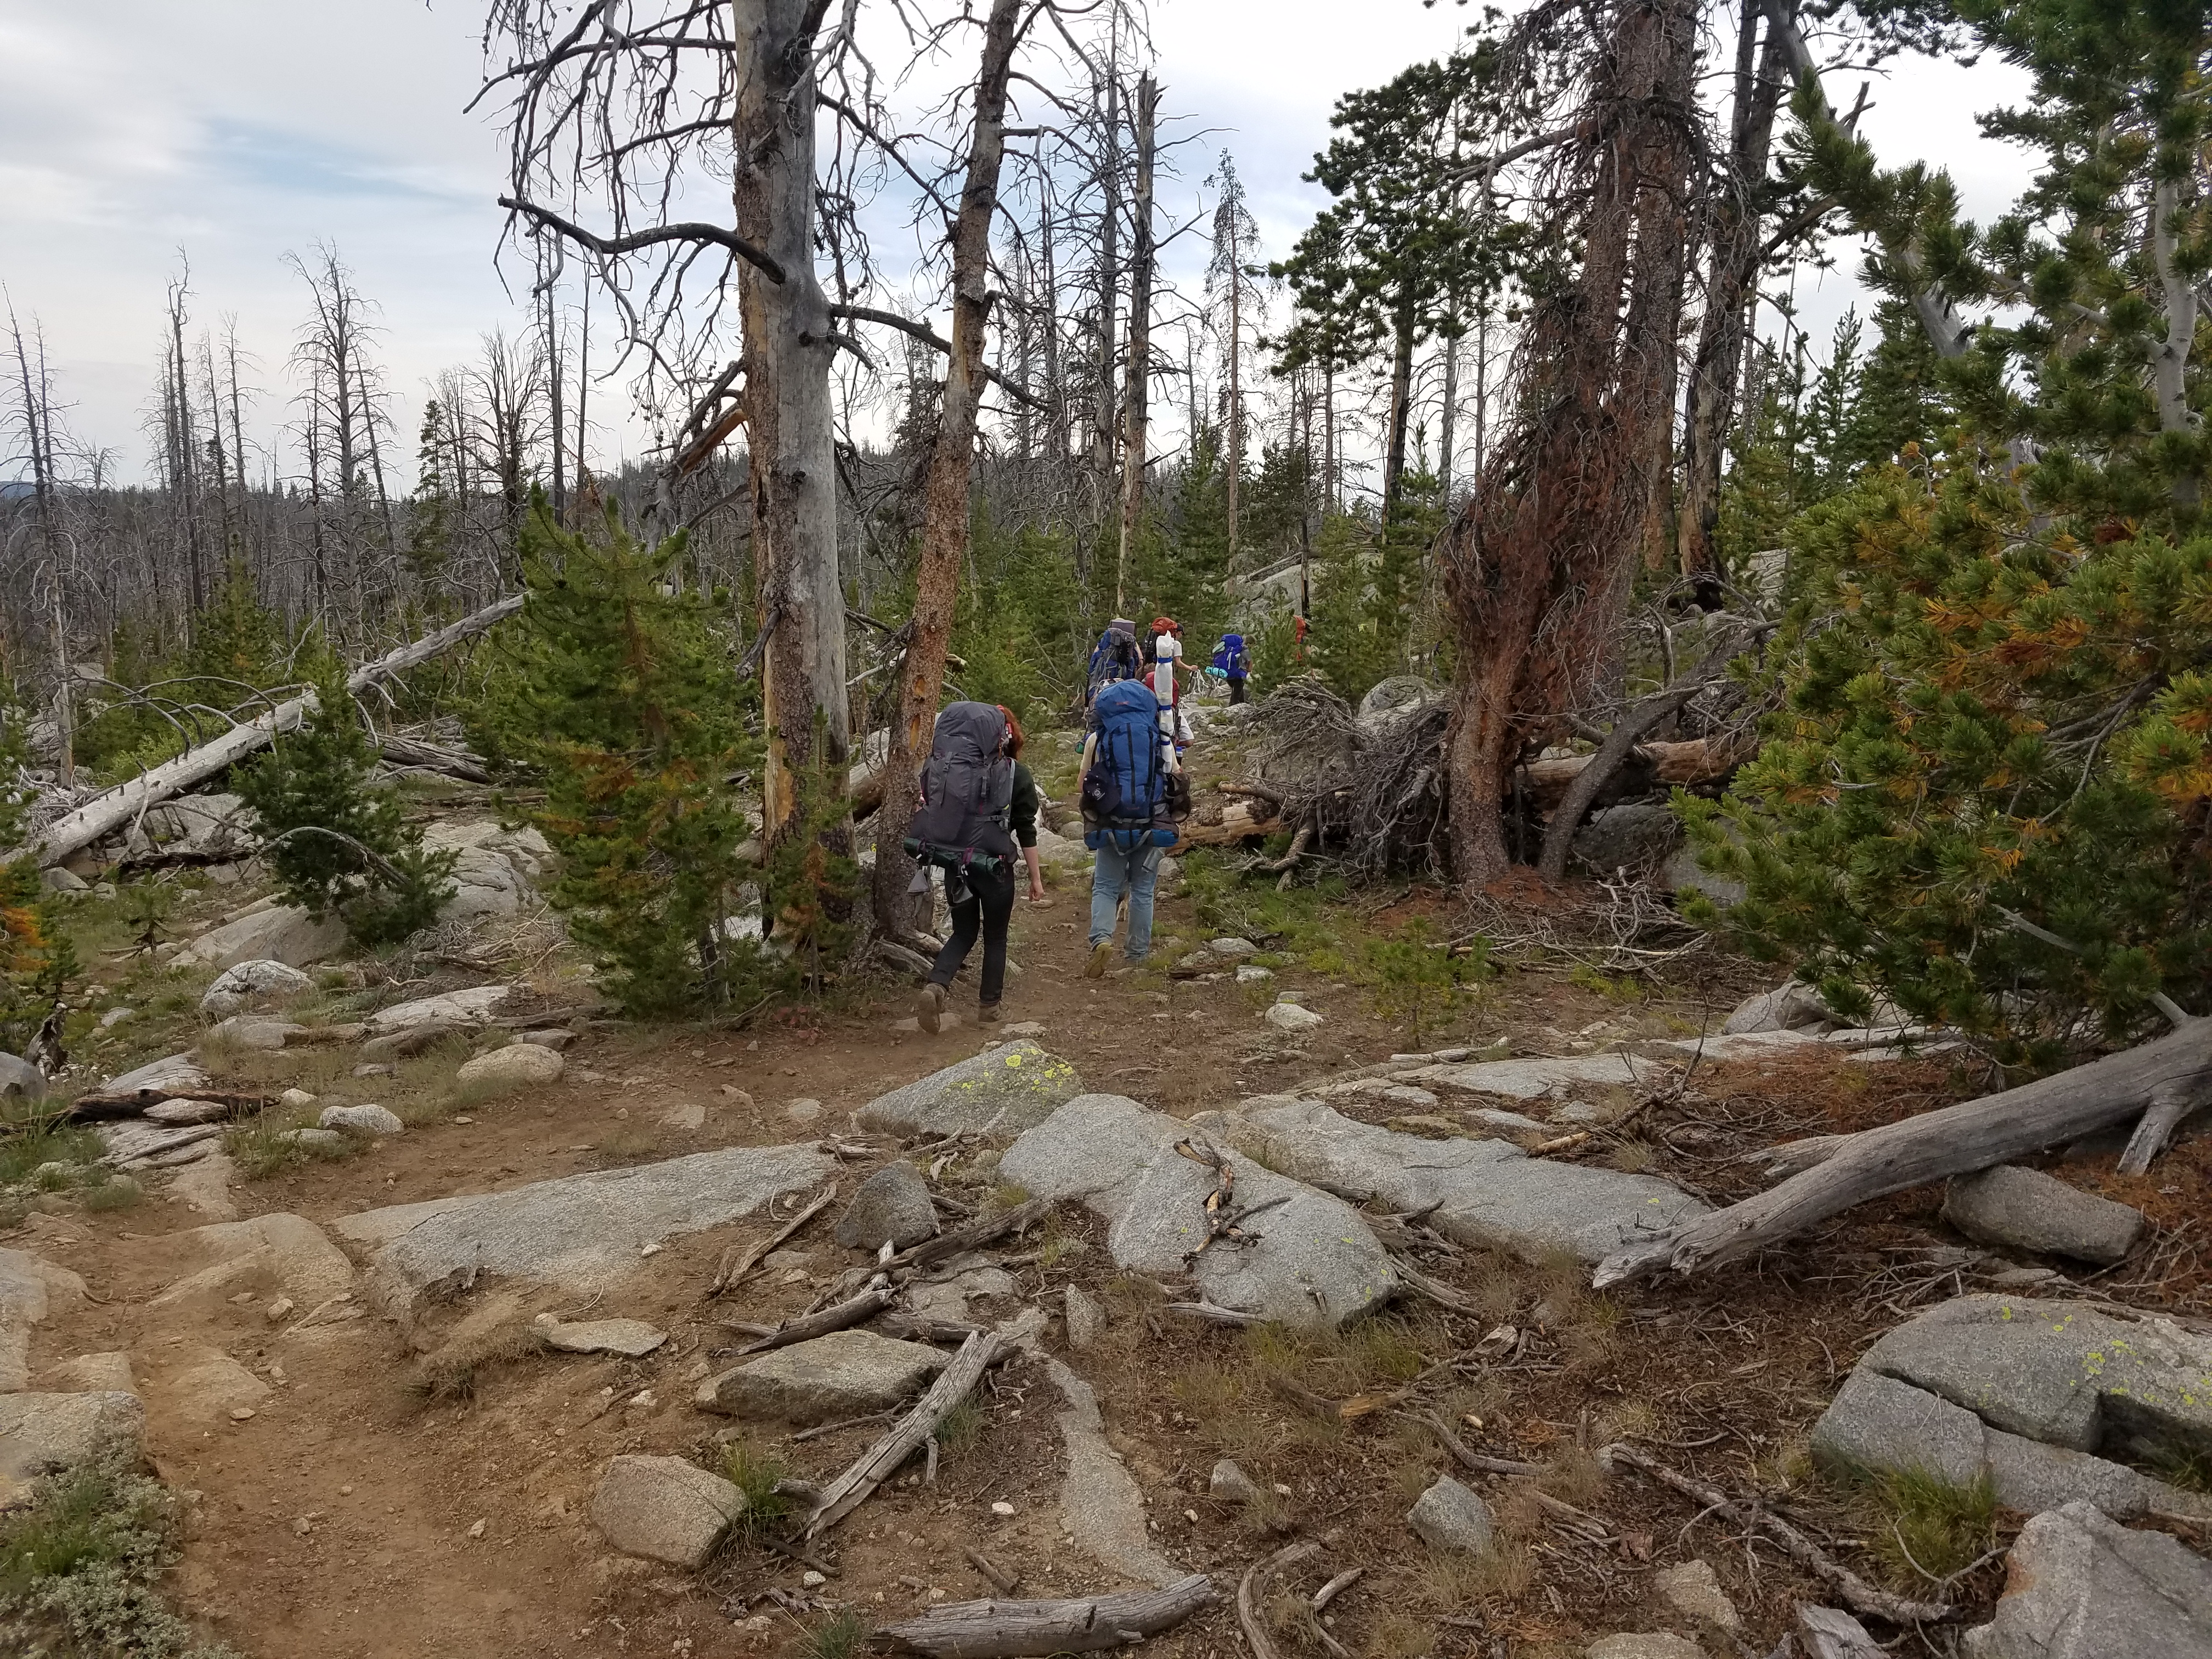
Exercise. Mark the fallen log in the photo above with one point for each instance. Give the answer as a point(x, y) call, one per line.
point(1252, 1593)
point(97, 1108)
point(866, 1305)
point(1008, 1630)
point(433, 757)
point(1956, 1141)
point(1237, 820)
point(1582, 789)
point(961, 1240)
point(119, 805)
point(1699, 760)
point(881, 1460)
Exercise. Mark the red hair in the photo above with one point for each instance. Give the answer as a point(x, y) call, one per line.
point(1014, 738)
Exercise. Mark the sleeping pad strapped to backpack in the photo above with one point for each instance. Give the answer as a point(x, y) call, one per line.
point(1128, 793)
point(967, 794)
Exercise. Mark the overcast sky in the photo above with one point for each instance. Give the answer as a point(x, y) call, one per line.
point(134, 132)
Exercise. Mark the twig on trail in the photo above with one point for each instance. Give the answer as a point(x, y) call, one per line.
point(820, 1429)
point(881, 1460)
point(1004, 1630)
point(1218, 1316)
point(1565, 1143)
point(1467, 1458)
point(1221, 1221)
point(735, 1266)
point(1253, 1589)
point(1438, 1293)
point(1336, 1587)
point(1001, 1581)
point(1858, 1594)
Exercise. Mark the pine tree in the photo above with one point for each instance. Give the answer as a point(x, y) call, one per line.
point(36, 961)
point(614, 692)
point(338, 840)
point(430, 508)
point(1986, 794)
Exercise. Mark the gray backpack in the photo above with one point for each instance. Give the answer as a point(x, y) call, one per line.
point(967, 792)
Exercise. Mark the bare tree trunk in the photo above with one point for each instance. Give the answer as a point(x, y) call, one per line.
point(1450, 424)
point(1731, 272)
point(1236, 410)
point(1401, 405)
point(1104, 422)
point(1138, 381)
point(792, 466)
point(946, 480)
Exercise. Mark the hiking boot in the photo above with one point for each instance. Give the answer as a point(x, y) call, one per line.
point(986, 1013)
point(929, 1006)
point(1100, 954)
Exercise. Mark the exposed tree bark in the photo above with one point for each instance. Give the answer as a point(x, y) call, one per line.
point(947, 476)
point(1974, 1135)
point(1536, 566)
point(1003, 1630)
point(793, 470)
point(851, 1311)
point(1137, 372)
point(112, 811)
point(1405, 324)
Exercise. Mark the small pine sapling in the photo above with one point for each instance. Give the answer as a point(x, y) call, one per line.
point(614, 691)
point(340, 842)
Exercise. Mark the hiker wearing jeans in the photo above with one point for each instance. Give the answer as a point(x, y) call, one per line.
point(1132, 790)
point(974, 757)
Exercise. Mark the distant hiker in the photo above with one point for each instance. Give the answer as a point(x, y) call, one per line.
point(978, 801)
point(1166, 663)
point(1132, 792)
point(1229, 656)
point(1115, 657)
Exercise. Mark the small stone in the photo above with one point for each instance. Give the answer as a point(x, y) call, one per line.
point(1252, 974)
point(1693, 1591)
point(811, 1579)
point(463, 1117)
point(376, 1071)
point(188, 1111)
point(241, 1413)
point(1086, 1319)
point(687, 1117)
point(1231, 950)
point(553, 1038)
point(802, 1111)
point(1289, 1016)
point(301, 1527)
point(736, 1096)
point(295, 1100)
point(829, 1378)
point(1002, 1508)
point(115, 1016)
point(1027, 1028)
point(476, 1530)
point(518, 1066)
point(360, 1120)
point(1231, 1485)
point(892, 1204)
point(1450, 1516)
point(346, 1491)
point(237, 986)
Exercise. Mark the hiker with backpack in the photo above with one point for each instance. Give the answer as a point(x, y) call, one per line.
point(1229, 656)
point(1115, 657)
point(978, 803)
point(1134, 791)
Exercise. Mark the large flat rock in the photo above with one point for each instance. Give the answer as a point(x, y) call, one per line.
point(29, 1286)
point(2080, 1375)
point(2078, 1585)
point(281, 933)
point(845, 1374)
point(460, 1010)
point(1002, 1090)
point(269, 1253)
point(1488, 1193)
point(582, 1232)
point(1310, 1259)
point(1880, 1425)
point(46, 1433)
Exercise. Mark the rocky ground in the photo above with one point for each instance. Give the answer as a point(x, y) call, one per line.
point(447, 1351)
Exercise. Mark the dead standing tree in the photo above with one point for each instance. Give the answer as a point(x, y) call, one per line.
point(1536, 568)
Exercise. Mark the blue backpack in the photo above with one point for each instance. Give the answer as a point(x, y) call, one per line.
point(1230, 657)
point(1126, 793)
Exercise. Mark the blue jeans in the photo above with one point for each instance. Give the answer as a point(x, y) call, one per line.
point(1115, 871)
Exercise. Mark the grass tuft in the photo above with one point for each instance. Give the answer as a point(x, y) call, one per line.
point(838, 1637)
point(457, 1371)
point(755, 1473)
point(1930, 1528)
